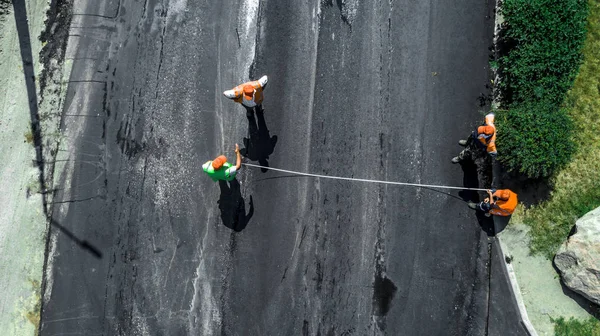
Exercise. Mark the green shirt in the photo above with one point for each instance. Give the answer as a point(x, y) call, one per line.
point(226, 172)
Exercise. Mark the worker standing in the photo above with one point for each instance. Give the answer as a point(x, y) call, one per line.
point(499, 203)
point(484, 138)
point(249, 94)
point(221, 170)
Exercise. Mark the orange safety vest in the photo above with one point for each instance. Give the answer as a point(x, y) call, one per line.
point(504, 207)
point(490, 144)
point(239, 92)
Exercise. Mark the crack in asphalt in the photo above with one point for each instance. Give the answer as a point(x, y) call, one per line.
point(489, 283)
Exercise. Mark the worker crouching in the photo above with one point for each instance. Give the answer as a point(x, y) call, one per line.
point(249, 94)
point(483, 139)
point(221, 170)
point(499, 203)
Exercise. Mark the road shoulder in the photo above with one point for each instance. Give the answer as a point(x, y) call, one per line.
point(23, 224)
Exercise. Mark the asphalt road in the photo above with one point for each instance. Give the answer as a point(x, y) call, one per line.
point(378, 90)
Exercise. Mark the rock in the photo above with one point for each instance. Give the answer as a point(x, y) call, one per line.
point(578, 259)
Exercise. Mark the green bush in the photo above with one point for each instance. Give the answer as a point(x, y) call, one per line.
point(541, 48)
point(534, 139)
point(573, 327)
point(544, 40)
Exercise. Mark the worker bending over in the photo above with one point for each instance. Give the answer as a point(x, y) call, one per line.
point(249, 94)
point(500, 203)
point(221, 170)
point(482, 139)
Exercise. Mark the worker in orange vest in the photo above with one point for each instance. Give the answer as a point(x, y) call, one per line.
point(500, 203)
point(482, 139)
point(221, 170)
point(249, 94)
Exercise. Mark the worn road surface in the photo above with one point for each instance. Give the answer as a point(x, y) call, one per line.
point(367, 89)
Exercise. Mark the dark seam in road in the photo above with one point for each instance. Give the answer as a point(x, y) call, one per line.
point(77, 200)
point(237, 33)
point(85, 81)
point(144, 8)
point(20, 13)
point(82, 115)
point(68, 160)
point(489, 279)
point(225, 286)
point(160, 57)
point(102, 16)
point(252, 69)
point(99, 27)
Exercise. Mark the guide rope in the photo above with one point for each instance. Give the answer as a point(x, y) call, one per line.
point(362, 180)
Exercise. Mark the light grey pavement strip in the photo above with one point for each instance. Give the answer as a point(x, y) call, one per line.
point(23, 224)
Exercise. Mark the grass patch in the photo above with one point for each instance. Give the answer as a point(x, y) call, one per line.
point(28, 137)
point(34, 304)
point(577, 186)
point(573, 327)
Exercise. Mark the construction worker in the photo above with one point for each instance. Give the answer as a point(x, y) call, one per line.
point(499, 203)
point(249, 94)
point(221, 170)
point(484, 138)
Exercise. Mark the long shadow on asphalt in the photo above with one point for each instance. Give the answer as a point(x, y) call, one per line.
point(233, 206)
point(20, 12)
point(260, 143)
point(83, 244)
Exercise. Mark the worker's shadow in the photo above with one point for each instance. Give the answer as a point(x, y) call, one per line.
point(233, 206)
point(260, 144)
point(471, 178)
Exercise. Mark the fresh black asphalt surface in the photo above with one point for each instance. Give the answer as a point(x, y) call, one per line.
point(367, 89)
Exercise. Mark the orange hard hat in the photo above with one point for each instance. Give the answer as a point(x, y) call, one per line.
point(504, 195)
point(219, 161)
point(487, 130)
point(248, 91)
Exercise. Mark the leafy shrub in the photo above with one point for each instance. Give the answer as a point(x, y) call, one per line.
point(535, 138)
point(541, 49)
point(544, 40)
